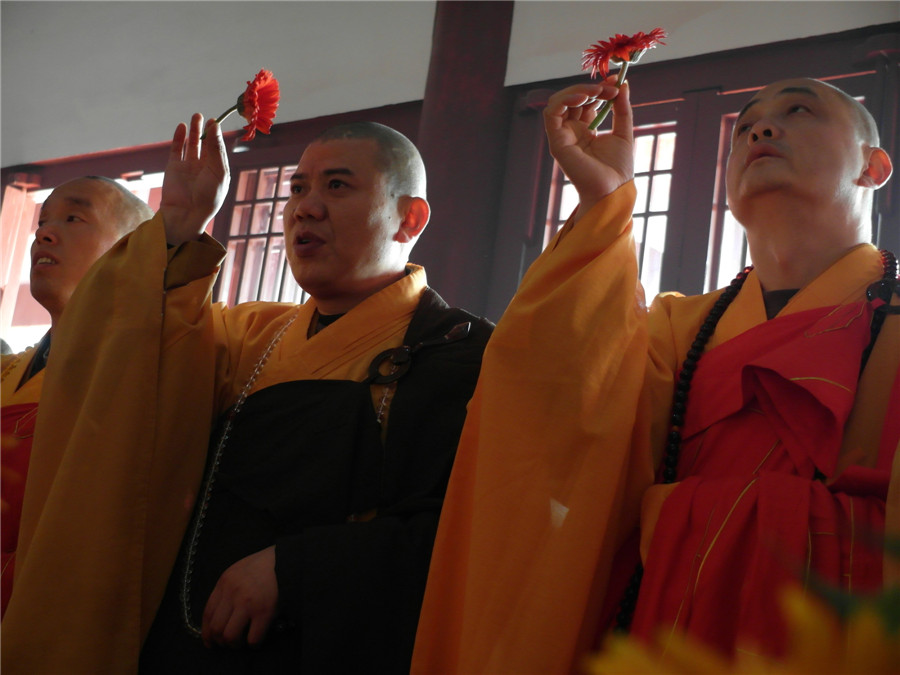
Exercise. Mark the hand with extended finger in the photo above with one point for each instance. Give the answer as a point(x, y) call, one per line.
point(596, 163)
point(244, 602)
point(196, 180)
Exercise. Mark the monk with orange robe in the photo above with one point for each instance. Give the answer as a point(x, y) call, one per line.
point(78, 222)
point(731, 443)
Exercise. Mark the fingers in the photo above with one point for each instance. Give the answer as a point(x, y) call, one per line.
point(181, 151)
point(243, 603)
point(578, 102)
point(176, 150)
point(623, 116)
point(213, 149)
point(192, 149)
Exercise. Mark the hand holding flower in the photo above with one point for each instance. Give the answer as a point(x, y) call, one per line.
point(196, 180)
point(597, 164)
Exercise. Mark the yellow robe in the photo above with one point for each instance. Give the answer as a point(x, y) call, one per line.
point(561, 440)
point(141, 366)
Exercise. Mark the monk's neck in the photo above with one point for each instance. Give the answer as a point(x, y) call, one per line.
point(789, 252)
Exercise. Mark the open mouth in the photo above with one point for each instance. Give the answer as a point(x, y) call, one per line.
point(306, 243)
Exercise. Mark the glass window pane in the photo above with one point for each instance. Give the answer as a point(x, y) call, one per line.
point(271, 280)
point(290, 291)
point(262, 216)
point(653, 251)
point(643, 152)
point(640, 202)
point(229, 280)
point(568, 201)
point(246, 186)
point(268, 181)
point(731, 259)
point(638, 229)
point(252, 271)
point(240, 220)
point(284, 187)
point(278, 220)
point(659, 192)
point(665, 151)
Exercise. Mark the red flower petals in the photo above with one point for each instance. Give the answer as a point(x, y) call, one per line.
point(619, 49)
point(258, 104)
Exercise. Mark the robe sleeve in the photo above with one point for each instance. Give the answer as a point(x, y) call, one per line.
point(118, 454)
point(545, 486)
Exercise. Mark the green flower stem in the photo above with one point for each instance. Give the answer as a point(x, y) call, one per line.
point(604, 110)
point(221, 118)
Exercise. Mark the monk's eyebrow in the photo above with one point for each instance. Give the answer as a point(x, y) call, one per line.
point(73, 201)
point(340, 171)
point(79, 201)
point(787, 90)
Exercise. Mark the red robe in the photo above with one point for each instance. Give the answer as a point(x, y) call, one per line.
point(17, 418)
point(766, 412)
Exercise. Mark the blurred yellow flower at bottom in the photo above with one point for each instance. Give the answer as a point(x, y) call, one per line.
point(818, 643)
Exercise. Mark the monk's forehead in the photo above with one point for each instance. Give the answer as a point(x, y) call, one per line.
point(797, 84)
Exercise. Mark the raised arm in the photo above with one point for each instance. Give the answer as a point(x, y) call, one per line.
point(196, 180)
point(596, 163)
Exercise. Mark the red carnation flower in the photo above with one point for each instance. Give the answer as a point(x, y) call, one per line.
point(621, 50)
point(257, 104)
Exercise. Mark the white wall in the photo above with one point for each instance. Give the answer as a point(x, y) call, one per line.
point(548, 37)
point(83, 77)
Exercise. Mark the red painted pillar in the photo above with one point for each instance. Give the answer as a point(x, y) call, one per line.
point(463, 137)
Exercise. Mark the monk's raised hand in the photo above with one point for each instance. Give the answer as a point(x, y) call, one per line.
point(597, 163)
point(196, 180)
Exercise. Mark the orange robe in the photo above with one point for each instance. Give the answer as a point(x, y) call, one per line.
point(115, 465)
point(19, 410)
point(563, 435)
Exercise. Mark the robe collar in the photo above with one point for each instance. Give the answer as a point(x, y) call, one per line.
point(844, 282)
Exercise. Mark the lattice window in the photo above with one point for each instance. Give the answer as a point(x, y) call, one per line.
point(654, 154)
point(256, 267)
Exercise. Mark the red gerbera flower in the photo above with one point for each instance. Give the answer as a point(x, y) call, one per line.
point(257, 104)
point(621, 50)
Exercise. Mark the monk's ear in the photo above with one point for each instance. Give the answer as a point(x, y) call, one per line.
point(878, 169)
point(415, 213)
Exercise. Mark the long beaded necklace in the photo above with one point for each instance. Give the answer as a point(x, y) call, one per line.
point(880, 290)
point(206, 491)
point(390, 385)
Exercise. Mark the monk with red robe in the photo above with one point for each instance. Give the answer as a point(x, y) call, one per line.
point(730, 443)
point(78, 223)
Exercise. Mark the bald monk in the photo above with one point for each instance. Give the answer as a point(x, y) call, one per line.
point(78, 222)
point(672, 470)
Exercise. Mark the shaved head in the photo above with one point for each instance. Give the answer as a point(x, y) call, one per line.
point(397, 157)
